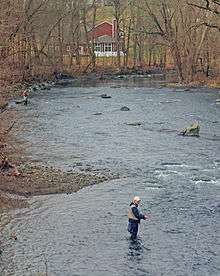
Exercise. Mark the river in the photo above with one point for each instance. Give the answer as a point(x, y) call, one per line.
point(177, 178)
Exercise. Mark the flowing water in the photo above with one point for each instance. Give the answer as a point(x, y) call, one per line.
point(178, 179)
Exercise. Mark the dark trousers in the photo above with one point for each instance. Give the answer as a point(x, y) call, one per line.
point(133, 228)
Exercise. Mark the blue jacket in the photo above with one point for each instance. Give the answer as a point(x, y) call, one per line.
point(136, 213)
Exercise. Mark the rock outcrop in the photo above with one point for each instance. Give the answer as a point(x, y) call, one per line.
point(193, 130)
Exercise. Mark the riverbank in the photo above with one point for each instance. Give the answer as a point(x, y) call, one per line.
point(40, 180)
point(37, 179)
point(68, 79)
point(33, 179)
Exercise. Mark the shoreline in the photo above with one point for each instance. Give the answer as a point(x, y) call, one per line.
point(64, 80)
point(35, 179)
point(38, 180)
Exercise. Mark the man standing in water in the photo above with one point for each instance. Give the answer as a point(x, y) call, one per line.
point(134, 217)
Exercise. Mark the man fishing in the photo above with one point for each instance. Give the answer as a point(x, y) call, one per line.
point(134, 217)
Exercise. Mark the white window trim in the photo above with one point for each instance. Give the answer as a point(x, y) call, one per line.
point(107, 46)
point(97, 47)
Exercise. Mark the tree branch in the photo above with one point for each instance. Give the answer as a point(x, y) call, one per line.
point(28, 17)
point(212, 26)
point(206, 8)
point(154, 18)
point(9, 129)
point(217, 2)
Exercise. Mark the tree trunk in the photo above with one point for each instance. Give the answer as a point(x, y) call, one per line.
point(118, 44)
point(178, 62)
point(135, 52)
point(89, 46)
point(60, 42)
point(127, 46)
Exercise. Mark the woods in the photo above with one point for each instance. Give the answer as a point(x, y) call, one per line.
point(38, 38)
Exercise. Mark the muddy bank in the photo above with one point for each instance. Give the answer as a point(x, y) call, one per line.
point(40, 180)
point(34, 180)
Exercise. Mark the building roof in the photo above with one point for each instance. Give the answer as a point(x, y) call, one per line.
point(104, 39)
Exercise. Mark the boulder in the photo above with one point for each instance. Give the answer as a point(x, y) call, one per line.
point(193, 130)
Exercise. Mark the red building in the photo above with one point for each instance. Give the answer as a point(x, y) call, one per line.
point(103, 36)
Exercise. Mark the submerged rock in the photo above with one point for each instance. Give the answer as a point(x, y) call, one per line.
point(97, 113)
point(193, 130)
point(125, 108)
point(105, 96)
point(121, 77)
point(134, 124)
point(23, 101)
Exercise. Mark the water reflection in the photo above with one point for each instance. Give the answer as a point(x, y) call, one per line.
point(136, 257)
point(135, 249)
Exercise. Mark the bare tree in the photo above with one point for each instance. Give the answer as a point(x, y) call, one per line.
point(88, 8)
point(119, 8)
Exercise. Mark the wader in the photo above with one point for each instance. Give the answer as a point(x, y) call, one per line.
point(132, 223)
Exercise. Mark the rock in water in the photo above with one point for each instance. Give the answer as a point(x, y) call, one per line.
point(105, 96)
point(98, 113)
point(20, 101)
point(134, 124)
point(193, 130)
point(125, 108)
